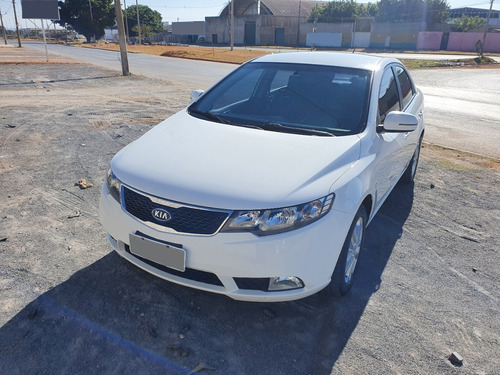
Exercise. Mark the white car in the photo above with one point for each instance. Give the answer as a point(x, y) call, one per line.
point(262, 188)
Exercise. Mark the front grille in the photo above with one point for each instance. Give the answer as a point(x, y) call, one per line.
point(184, 219)
point(189, 273)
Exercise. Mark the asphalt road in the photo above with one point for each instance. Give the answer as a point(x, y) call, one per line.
point(462, 104)
point(462, 108)
point(191, 73)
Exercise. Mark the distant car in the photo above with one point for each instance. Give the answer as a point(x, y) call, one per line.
point(263, 187)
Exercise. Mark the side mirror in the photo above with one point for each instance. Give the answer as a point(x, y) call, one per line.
point(196, 94)
point(399, 122)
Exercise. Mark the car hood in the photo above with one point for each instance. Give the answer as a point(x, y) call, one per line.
point(189, 160)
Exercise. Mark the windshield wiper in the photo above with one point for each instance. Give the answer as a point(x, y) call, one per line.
point(293, 129)
point(210, 116)
point(251, 126)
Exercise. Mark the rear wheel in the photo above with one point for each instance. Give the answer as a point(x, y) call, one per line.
point(345, 270)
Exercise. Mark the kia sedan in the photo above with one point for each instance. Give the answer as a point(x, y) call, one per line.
point(263, 187)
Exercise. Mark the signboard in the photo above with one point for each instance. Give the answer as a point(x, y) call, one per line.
point(40, 9)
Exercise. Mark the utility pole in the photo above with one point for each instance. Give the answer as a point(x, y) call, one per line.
point(232, 24)
point(126, 21)
point(486, 28)
point(17, 24)
point(44, 40)
point(138, 22)
point(92, 19)
point(121, 38)
point(3, 29)
point(298, 24)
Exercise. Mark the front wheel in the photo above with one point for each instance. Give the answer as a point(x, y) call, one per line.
point(345, 269)
point(409, 174)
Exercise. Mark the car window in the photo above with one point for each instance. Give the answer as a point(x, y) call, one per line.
point(238, 90)
point(388, 97)
point(286, 96)
point(281, 79)
point(405, 84)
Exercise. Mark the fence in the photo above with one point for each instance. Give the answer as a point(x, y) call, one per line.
point(424, 40)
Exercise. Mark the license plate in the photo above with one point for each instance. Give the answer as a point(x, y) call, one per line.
point(166, 255)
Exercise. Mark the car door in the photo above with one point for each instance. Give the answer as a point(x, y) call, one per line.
point(411, 102)
point(391, 147)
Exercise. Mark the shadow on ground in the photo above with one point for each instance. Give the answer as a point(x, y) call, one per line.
point(111, 317)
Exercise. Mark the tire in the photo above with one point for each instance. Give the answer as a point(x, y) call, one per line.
point(411, 170)
point(345, 269)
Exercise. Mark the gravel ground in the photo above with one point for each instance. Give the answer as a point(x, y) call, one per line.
point(429, 282)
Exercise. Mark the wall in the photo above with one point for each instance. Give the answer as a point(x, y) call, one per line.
point(307, 28)
point(324, 39)
point(188, 28)
point(398, 28)
point(218, 26)
point(394, 36)
point(361, 40)
point(467, 42)
point(268, 24)
point(429, 40)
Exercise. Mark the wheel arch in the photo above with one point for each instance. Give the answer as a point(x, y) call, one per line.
point(368, 204)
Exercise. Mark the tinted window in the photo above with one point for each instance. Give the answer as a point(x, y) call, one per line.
point(388, 97)
point(405, 83)
point(238, 90)
point(290, 96)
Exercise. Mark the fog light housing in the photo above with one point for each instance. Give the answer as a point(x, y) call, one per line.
point(285, 283)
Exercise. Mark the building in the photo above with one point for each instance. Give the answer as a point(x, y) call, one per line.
point(190, 32)
point(261, 22)
point(473, 12)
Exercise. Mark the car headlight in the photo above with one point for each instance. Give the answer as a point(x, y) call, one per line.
point(114, 186)
point(266, 222)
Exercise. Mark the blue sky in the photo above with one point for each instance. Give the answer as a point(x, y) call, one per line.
point(194, 10)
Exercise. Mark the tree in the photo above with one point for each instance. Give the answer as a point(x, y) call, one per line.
point(146, 30)
point(77, 14)
point(468, 23)
point(436, 11)
point(147, 17)
point(334, 11)
point(429, 11)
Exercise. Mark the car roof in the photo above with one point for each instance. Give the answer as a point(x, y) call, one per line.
point(348, 60)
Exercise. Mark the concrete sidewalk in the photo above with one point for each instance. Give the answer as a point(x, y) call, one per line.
point(11, 54)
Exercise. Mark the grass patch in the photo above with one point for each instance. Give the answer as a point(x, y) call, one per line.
point(237, 56)
point(424, 64)
point(219, 54)
point(451, 159)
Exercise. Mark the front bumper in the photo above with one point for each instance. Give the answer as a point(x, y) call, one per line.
point(217, 263)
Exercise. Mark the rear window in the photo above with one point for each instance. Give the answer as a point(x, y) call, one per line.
point(407, 90)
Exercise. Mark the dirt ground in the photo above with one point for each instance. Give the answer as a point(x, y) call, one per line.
point(430, 275)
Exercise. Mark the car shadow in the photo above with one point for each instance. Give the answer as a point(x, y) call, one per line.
point(112, 317)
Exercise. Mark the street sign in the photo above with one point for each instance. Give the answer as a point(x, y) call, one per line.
point(40, 9)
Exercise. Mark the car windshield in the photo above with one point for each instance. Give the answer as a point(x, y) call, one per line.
point(295, 98)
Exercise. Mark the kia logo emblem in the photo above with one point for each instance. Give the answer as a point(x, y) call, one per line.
point(161, 215)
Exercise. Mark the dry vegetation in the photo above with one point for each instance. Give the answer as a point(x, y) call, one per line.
point(239, 55)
